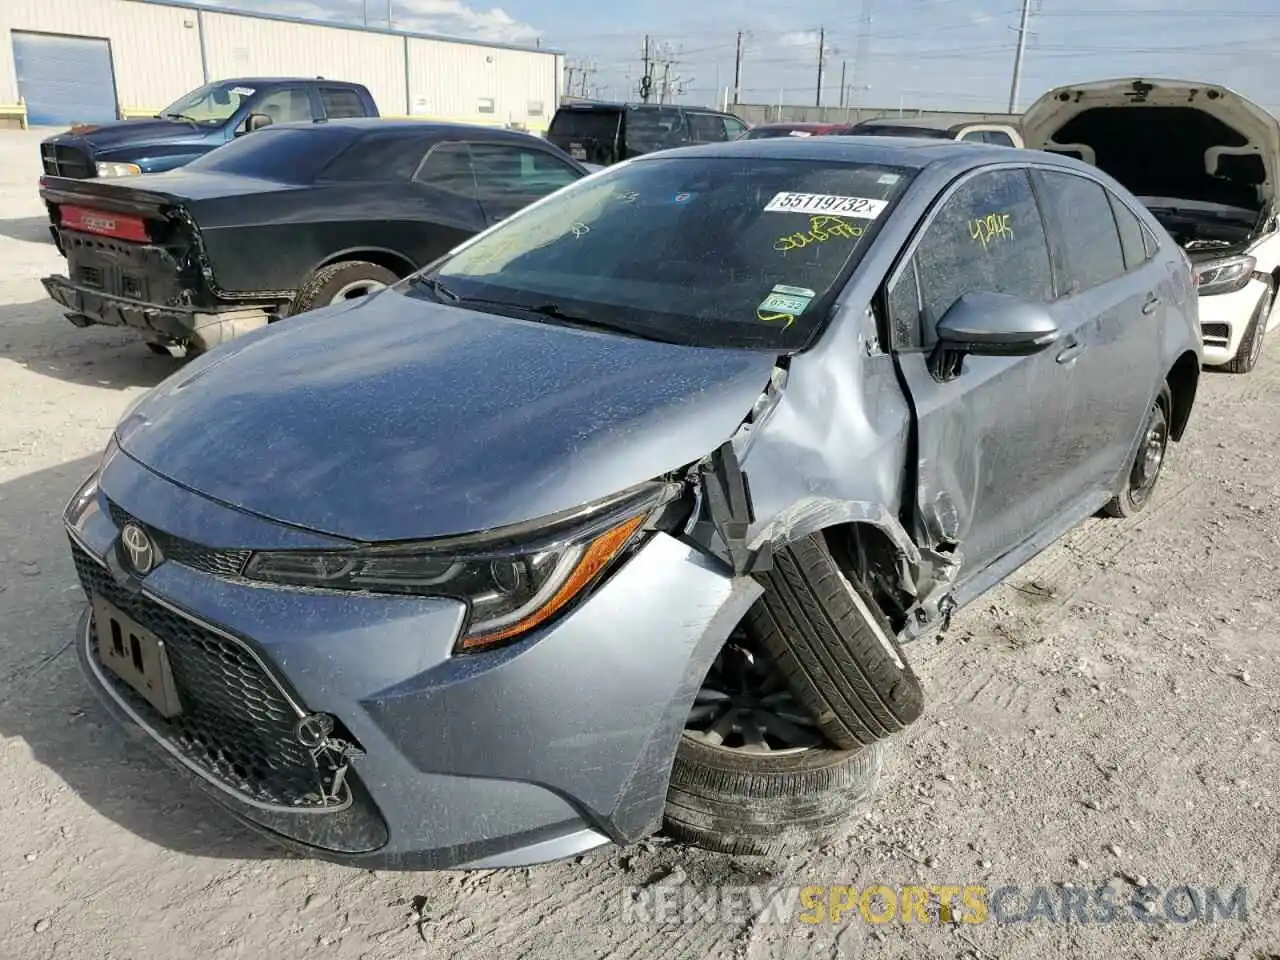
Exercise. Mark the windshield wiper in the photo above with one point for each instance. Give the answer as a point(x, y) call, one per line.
point(438, 289)
point(553, 311)
point(178, 116)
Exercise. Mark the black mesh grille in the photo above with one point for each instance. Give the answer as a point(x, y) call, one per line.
point(235, 723)
point(220, 563)
point(61, 160)
point(1216, 331)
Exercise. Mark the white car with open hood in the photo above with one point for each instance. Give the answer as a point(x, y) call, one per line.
point(1206, 162)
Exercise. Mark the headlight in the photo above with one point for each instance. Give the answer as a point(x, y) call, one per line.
point(1224, 276)
point(511, 579)
point(118, 169)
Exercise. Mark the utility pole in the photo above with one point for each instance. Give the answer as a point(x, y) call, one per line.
point(569, 71)
point(646, 81)
point(1017, 59)
point(844, 64)
point(389, 24)
point(737, 71)
point(665, 87)
point(822, 60)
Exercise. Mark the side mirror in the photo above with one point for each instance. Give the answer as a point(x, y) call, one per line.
point(991, 325)
point(256, 121)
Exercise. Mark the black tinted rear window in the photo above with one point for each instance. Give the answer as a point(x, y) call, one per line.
point(597, 124)
point(293, 154)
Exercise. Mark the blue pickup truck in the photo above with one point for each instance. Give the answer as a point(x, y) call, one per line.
point(197, 122)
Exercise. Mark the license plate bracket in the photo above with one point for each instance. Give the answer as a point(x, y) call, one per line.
point(137, 656)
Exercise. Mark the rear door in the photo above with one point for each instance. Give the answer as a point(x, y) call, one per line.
point(1117, 292)
point(511, 176)
point(992, 442)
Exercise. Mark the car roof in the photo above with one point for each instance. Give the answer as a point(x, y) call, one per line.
point(620, 105)
point(364, 124)
point(800, 124)
point(910, 152)
point(268, 81)
point(925, 123)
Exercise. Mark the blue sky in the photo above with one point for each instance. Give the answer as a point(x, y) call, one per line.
point(952, 54)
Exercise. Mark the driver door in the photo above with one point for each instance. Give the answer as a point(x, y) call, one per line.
point(992, 449)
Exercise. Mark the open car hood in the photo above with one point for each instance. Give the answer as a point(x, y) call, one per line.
point(1173, 138)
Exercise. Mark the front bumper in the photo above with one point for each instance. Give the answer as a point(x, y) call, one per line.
point(541, 750)
point(1224, 320)
point(204, 329)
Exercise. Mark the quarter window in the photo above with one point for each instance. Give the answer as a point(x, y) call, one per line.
point(988, 236)
point(448, 168)
point(378, 156)
point(1131, 241)
point(517, 174)
point(1082, 218)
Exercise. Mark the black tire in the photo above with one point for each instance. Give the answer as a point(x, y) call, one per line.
point(328, 282)
point(1250, 349)
point(848, 672)
point(1142, 478)
point(732, 802)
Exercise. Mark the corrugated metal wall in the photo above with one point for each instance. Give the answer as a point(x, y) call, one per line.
point(155, 53)
point(242, 47)
point(456, 82)
point(157, 56)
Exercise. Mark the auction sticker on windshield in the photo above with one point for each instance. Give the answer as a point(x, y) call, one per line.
point(863, 207)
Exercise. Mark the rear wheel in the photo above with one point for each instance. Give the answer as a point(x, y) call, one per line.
point(1149, 461)
point(1250, 349)
point(753, 774)
point(338, 282)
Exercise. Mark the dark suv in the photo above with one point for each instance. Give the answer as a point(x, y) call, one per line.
point(196, 122)
point(605, 133)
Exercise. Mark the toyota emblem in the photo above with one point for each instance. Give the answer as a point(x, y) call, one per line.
point(138, 548)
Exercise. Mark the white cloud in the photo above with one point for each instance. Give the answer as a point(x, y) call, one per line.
point(799, 38)
point(448, 17)
point(979, 16)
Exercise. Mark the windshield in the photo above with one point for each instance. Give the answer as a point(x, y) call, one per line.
point(710, 251)
point(289, 154)
point(212, 104)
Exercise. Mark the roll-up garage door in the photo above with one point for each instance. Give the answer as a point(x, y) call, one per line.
point(63, 79)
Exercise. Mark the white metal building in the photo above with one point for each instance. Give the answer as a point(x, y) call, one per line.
point(67, 61)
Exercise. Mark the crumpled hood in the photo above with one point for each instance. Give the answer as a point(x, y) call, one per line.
point(1121, 121)
point(403, 419)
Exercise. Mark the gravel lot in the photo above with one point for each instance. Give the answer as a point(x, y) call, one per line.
point(1113, 711)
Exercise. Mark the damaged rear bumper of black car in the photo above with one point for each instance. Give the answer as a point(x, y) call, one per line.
point(201, 329)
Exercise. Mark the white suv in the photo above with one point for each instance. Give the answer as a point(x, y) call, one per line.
point(1206, 162)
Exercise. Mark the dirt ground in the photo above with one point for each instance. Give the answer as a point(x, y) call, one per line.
point(1110, 714)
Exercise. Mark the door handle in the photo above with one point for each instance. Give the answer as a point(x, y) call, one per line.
point(1149, 307)
point(1070, 351)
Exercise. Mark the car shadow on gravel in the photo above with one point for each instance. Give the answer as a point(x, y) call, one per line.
point(47, 705)
point(27, 229)
point(38, 336)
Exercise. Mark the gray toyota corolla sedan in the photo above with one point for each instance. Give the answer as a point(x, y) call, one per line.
point(621, 514)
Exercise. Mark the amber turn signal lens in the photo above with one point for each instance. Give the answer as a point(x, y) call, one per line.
point(601, 552)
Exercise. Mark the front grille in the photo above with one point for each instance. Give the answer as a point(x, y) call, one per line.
point(61, 160)
point(1216, 334)
point(236, 724)
point(220, 563)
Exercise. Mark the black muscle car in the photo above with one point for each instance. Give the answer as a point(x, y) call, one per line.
point(294, 217)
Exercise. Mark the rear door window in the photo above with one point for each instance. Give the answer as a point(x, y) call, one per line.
point(1131, 240)
point(655, 128)
point(707, 128)
point(987, 236)
point(1081, 217)
point(340, 102)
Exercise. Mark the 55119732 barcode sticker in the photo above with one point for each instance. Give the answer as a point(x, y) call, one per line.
point(862, 207)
